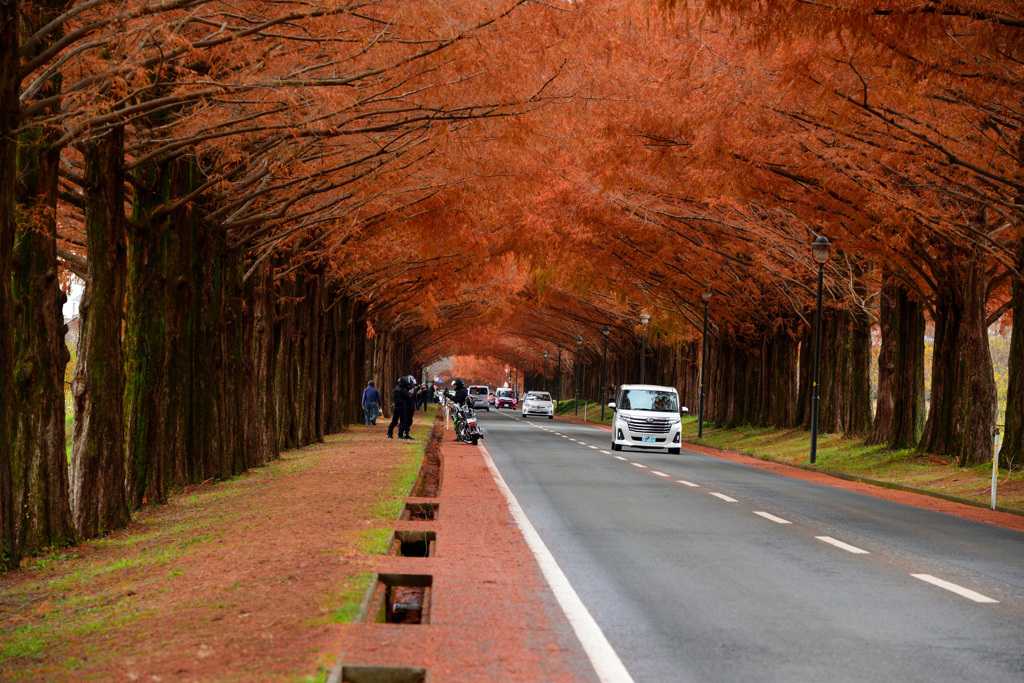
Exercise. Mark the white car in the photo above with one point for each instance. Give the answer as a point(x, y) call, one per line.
point(538, 403)
point(647, 416)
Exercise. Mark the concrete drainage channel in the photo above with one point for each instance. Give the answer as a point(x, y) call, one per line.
point(394, 598)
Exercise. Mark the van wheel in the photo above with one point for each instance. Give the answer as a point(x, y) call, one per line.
point(673, 451)
point(616, 446)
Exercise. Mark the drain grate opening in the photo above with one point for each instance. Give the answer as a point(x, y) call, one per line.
point(403, 598)
point(429, 483)
point(420, 511)
point(383, 674)
point(414, 543)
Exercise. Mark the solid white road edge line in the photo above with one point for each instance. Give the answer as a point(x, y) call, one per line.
point(959, 590)
point(777, 520)
point(724, 497)
point(845, 546)
point(603, 658)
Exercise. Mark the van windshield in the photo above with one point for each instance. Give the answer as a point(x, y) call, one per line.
point(649, 399)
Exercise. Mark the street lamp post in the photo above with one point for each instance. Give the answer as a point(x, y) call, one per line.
point(706, 296)
point(820, 248)
point(576, 378)
point(604, 370)
point(545, 354)
point(559, 397)
point(644, 319)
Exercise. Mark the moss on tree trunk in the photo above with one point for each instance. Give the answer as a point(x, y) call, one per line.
point(98, 495)
point(38, 452)
point(9, 88)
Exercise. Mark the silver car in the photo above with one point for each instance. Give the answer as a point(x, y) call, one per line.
point(478, 397)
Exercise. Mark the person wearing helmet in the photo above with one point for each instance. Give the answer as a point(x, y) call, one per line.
point(405, 422)
point(461, 393)
point(399, 399)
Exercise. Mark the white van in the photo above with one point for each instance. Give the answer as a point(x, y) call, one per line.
point(647, 416)
point(478, 397)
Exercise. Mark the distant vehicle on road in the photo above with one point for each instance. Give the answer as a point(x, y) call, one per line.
point(478, 396)
point(647, 416)
point(505, 398)
point(538, 403)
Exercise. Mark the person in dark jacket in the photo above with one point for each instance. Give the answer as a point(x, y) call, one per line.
point(459, 397)
point(405, 424)
point(399, 401)
point(371, 403)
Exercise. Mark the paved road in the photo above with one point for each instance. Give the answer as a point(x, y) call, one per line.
point(699, 569)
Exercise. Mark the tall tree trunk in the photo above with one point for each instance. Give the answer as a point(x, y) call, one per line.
point(38, 452)
point(963, 404)
point(1013, 437)
point(908, 373)
point(9, 89)
point(888, 324)
point(263, 359)
point(857, 396)
point(98, 495)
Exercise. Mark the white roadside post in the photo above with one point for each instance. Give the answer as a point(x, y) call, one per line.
point(995, 465)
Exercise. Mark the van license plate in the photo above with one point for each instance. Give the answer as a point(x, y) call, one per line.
point(647, 439)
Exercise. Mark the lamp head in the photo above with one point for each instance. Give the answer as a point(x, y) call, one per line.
point(706, 296)
point(606, 330)
point(644, 318)
point(579, 340)
point(820, 248)
point(545, 353)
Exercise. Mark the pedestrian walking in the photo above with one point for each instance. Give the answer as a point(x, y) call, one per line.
point(371, 403)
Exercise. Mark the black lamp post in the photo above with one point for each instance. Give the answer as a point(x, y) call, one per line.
point(644, 319)
point(706, 296)
point(559, 397)
point(576, 378)
point(545, 354)
point(820, 248)
point(604, 370)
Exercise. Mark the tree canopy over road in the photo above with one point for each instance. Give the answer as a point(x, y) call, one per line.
point(271, 202)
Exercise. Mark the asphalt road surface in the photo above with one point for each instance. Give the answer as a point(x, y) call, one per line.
point(700, 569)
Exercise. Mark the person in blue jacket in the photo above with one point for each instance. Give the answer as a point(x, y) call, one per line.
point(371, 403)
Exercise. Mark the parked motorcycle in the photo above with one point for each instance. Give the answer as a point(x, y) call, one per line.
point(466, 426)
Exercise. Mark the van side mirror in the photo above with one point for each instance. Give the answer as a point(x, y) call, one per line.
point(684, 411)
point(612, 405)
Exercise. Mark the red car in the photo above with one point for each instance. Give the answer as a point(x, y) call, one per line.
point(505, 398)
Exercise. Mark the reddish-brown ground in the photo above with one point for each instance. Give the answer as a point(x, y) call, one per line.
point(246, 593)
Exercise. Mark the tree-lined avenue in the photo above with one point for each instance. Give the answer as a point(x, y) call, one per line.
point(272, 203)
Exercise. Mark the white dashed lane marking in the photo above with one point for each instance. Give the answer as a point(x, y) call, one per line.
point(845, 546)
point(724, 497)
point(619, 457)
point(777, 520)
point(688, 483)
point(659, 474)
point(606, 452)
point(959, 590)
point(636, 464)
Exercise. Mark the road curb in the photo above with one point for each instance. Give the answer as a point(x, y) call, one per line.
point(872, 482)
